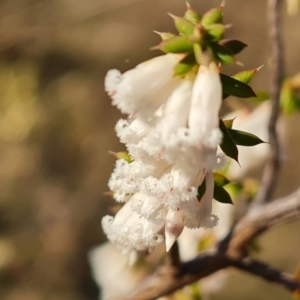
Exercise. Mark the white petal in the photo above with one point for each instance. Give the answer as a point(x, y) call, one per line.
point(206, 201)
point(205, 103)
point(137, 87)
point(112, 81)
point(173, 228)
point(176, 111)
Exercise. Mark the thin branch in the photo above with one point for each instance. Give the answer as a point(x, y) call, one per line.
point(228, 254)
point(271, 171)
point(261, 218)
point(162, 283)
point(268, 273)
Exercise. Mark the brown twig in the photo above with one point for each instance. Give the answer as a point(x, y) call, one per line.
point(261, 218)
point(271, 171)
point(228, 253)
point(268, 273)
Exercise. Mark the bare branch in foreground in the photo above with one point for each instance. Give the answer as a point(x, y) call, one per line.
point(271, 173)
point(228, 253)
point(261, 218)
point(268, 273)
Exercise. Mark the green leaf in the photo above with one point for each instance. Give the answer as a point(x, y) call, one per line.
point(215, 32)
point(233, 46)
point(222, 54)
point(228, 146)
point(246, 76)
point(235, 88)
point(228, 123)
point(165, 35)
point(234, 189)
point(288, 101)
point(221, 195)
point(243, 138)
point(122, 155)
point(220, 179)
point(185, 65)
point(213, 16)
point(177, 44)
point(197, 51)
point(261, 96)
point(201, 189)
point(191, 15)
point(184, 26)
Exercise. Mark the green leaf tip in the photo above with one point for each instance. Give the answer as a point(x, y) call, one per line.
point(164, 35)
point(247, 75)
point(228, 123)
point(242, 138)
point(220, 179)
point(213, 16)
point(215, 32)
point(191, 14)
point(122, 155)
point(221, 195)
point(234, 87)
point(184, 26)
point(177, 44)
point(233, 46)
point(222, 54)
point(185, 65)
point(228, 145)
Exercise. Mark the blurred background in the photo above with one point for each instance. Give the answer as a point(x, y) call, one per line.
point(57, 126)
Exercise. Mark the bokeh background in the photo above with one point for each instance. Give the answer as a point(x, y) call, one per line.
point(57, 126)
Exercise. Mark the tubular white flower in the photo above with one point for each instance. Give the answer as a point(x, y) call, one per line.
point(173, 228)
point(172, 134)
point(145, 87)
point(128, 230)
point(205, 103)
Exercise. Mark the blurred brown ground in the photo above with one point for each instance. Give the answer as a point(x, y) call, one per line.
point(57, 125)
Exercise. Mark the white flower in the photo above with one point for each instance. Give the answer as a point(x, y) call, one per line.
point(172, 134)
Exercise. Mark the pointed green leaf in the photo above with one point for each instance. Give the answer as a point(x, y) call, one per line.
point(191, 15)
point(233, 46)
point(213, 16)
point(201, 189)
point(220, 179)
point(221, 195)
point(197, 52)
point(165, 35)
point(228, 146)
point(184, 26)
point(222, 54)
point(215, 32)
point(228, 123)
point(185, 65)
point(235, 88)
point(246, 76)
point(177, 44)
point(243, 138)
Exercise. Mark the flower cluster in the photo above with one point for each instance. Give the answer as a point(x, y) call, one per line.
point(172, 135)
